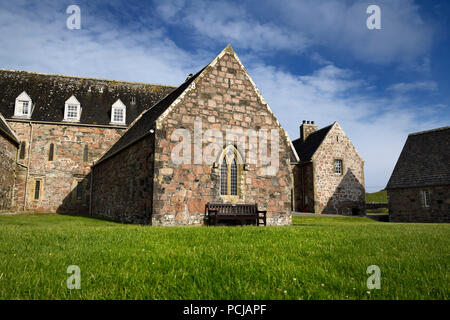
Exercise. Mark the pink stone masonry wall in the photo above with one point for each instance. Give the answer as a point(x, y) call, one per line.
point(8, 152)
point(123, 184)
point(334, 193)
point(59, 177)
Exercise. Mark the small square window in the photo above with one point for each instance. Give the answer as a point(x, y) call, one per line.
point(118, 115)
point(338, 166)
point(72, 111)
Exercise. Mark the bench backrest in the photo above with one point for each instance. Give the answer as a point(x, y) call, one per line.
point(229, 208)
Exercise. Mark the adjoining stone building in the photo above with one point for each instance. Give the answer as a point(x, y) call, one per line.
point(9, 144)
point(329, 178)
point(140, 178)
point(419, 187)
point(63, 124)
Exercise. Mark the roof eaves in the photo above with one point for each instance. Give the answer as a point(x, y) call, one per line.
point(11, 133)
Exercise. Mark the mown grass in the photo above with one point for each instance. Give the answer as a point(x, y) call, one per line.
point(315, 258)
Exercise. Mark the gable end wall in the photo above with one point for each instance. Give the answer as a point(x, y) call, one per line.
point(222, 98)
point(338, 194)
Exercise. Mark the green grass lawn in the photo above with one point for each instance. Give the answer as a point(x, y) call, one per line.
point(316, 258)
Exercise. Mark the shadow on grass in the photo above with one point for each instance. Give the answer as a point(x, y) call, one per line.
point(87, 217)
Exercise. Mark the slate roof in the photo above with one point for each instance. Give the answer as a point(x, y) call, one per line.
point(147, 119)
point(306, 150)
point(6, 131)
point(424, 160)
point(49, 93)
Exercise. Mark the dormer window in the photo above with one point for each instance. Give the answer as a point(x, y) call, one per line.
point(72, 110)
point(118, 113)
point(24, 106)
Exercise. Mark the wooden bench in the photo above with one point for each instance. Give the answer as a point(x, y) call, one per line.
point(238, 213)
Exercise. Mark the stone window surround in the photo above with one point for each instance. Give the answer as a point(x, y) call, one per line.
point(342, 166)
point(74, 190)
point(239, 175)
point(426, 198)
point(32, 187)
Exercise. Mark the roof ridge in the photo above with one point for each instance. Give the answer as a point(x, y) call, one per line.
point(88, 78)
point(429, 131)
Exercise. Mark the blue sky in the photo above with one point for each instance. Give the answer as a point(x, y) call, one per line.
point(312, 60)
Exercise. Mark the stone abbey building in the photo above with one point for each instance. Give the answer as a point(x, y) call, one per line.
point(62, 124)
point(419, 187)
point(145, 153)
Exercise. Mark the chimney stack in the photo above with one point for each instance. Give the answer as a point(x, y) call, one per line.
point(306, 129)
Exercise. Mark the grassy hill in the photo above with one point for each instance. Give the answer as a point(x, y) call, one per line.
point(315, 258)
point(380, 196)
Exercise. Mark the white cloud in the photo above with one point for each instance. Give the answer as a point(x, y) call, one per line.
point(378, 126)
point(303, 26)
point(404, 87)
point(38, 40)
point(222, 22)
point(341, 26)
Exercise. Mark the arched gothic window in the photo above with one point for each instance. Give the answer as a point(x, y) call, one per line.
point(229, 172)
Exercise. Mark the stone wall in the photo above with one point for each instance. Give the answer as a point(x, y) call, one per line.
point(407, 204)
point(122, 187)
point(338, 193)
point(223, 98)
point(8, 152)
point(58, 179)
